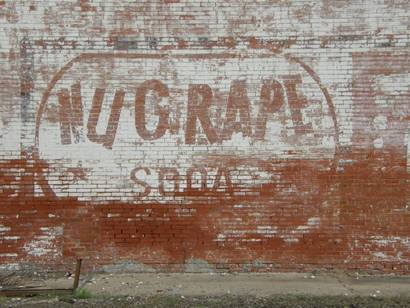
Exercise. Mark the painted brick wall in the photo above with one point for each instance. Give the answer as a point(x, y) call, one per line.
point(205, 135)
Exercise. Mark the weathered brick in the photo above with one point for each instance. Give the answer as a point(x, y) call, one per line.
point(247, 135)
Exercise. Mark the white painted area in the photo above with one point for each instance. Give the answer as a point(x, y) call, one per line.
point(11, 238)
point(380, 122)
point(407, 139)
point(8, 255)
point(109, 215)
point(266, 230)
point(290, 239)
point(392, 84)
point(378, 143)
point(335, 73)
point(10, 267)
point(46, 244)
point(392, 100)
point(107, 171)
point(4, 228)
point(384, 241)
point(291, 236)
point(312, 222)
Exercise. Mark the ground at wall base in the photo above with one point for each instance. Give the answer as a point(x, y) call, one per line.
point(330, 289)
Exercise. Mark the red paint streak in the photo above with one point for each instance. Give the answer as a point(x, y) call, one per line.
point(363, 200)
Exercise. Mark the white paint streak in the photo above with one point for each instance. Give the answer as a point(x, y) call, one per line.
point(45, 245)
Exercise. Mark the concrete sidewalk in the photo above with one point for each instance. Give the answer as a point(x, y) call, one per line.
point(259, 285)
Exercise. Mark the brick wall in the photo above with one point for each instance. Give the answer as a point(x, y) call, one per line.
point(205, 135)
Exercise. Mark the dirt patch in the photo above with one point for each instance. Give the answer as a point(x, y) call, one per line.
point(218, 301)
point(222, 290)
point(250, 284)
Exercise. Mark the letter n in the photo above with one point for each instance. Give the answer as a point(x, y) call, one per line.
point(71, 114)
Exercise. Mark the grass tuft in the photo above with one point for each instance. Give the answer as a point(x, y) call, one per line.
point(82, 294)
